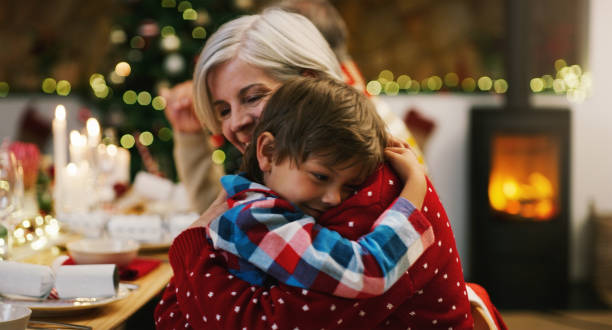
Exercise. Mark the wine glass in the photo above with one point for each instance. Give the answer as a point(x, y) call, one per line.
point(11, 193)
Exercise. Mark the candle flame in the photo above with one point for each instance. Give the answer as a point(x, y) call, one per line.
point(93, 127)
point(60, 112)
point(112, 150)
point(71, 169)
point(76, 139)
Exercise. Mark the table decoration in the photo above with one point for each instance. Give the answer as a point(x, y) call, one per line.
point(136, 269)
point(92, 281)
point(59, 153)
point(26, 279)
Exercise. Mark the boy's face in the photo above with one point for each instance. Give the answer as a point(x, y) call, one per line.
point(313, 186)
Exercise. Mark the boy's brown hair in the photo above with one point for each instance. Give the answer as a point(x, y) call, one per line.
point(319, 117)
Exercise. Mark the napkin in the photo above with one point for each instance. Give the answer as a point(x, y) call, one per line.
point(25, 279)
point(89, 281)
point(143, 228)
point(138, 268)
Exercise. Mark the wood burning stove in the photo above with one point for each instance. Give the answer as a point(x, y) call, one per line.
point(519, 205)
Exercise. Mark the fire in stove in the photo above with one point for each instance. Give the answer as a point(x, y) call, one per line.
point(524, 176)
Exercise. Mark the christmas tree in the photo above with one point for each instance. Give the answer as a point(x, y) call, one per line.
point(154, 45)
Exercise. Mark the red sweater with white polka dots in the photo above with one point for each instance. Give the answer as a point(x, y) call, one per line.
point(431, 295)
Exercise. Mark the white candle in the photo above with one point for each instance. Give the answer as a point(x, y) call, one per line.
point(122, 165)
point(93, 132)
point(59, 153)
point(78, 145)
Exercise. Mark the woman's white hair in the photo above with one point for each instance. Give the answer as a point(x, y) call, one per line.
point(282, 44)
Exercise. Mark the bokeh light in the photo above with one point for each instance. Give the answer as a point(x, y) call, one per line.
point(184, 5)
point(451, 79)
point(537, 85)
point(391, 88)
point(548, 81)
point(159, 103)
point(374, 87)
point(146, 138)
point(560, 64)
point(170, 43)
point(559, 86)
point(49, 85)
point(468, 84)
point(218, 156)
point(434, 83)
point(167, 31)
point(144, 98)
point(198, 33)
point(123, 69)
point(385, 76)
point(190, 14)
point(500, 86)
point(118, 36)
point(485, 83)
point(115, 78)
point(404, 81)
point(127, 141)
point(130, 97)
point(63, 87)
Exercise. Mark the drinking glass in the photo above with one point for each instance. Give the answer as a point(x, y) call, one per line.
point(11, 193)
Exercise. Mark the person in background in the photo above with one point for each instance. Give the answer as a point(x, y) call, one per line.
point(192, 148)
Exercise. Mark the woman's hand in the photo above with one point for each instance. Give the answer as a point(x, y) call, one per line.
point(410, 171)
point(179, 108)
point(218, 206)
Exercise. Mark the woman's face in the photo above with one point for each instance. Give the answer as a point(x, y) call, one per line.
point(239, 92)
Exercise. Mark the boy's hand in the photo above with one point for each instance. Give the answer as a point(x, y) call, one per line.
point(179, 108)
point(218, 206)
point(410, 171)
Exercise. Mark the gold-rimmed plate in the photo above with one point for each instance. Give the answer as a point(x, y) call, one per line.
point(64, 306)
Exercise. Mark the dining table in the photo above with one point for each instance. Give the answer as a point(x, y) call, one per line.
point(115, 314)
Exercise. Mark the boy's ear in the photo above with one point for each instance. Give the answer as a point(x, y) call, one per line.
point(265, 151)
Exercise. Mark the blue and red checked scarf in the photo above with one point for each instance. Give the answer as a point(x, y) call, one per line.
point(269, 239)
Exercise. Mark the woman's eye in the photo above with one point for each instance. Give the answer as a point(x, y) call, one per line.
point(254, 98)
point(224, 112)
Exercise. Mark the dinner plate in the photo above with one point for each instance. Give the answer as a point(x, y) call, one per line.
point(64, 306)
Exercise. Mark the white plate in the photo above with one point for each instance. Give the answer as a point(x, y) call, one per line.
point(54, 306)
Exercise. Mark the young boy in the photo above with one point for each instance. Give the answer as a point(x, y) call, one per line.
point(316, 142)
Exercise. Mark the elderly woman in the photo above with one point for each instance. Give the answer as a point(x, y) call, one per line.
point(242, 64)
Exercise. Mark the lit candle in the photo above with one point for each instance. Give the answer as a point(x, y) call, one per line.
point(93, 132)
point(78, 144)
point(59, 152)
point(122, 165)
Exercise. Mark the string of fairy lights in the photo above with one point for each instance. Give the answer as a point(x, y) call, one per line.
point(568, 80)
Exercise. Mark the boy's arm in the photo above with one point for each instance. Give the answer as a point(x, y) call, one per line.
point(290, 247)
point(202, 294)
